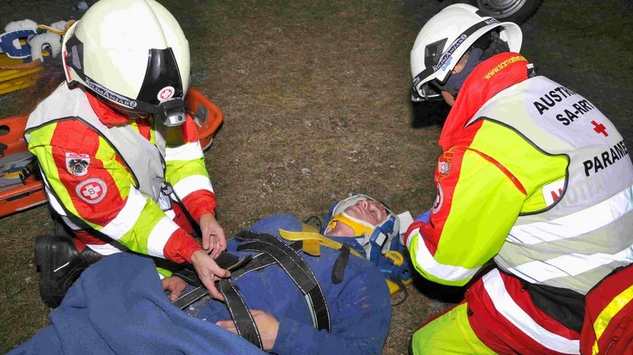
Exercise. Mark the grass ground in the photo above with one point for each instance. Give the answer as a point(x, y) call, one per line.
point(315, 98)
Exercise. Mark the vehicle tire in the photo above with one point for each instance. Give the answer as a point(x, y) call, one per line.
point(517, 11)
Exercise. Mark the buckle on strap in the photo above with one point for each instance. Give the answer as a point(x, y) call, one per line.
point(297, 269)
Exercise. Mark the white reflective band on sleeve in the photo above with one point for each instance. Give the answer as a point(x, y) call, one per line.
point(577, 223)
point(107, 249)
point(189, 151)
point(126, 218)
point(427, 262)
point(70, 223)
point(159, 236)
point(414, 234)
point(55, 205)
point(170, 214)
point(574, 264)
point(192, 183)
point(505, 305)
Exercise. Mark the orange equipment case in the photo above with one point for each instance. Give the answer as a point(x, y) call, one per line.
point(27, 191)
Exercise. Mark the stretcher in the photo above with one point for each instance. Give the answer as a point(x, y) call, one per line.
point(18, 76)
point(21, 186)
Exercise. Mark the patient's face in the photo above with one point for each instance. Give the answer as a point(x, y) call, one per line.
point(369, 211)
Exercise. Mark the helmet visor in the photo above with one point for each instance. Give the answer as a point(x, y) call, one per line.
point(425, 92)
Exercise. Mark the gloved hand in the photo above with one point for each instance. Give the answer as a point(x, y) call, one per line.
point(424, 217)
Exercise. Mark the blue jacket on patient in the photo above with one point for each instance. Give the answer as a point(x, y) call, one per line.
point(113, 310)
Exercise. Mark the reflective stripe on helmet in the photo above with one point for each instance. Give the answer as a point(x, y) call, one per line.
point(161, 93)
point(435, 63)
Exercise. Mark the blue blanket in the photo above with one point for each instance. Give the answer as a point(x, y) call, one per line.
point(118, 307)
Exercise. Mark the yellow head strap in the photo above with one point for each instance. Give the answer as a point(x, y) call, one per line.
point(361, 228)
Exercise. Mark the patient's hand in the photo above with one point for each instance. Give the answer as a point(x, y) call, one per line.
point(175, 285)
point(267, 324)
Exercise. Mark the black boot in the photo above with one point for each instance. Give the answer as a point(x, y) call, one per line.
point(60, 264)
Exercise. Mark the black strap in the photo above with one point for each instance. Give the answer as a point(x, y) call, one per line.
point(189, 274)
point(190, 297)
point(260, 261)
point(301, 275)
point(272, 251)
point(297, 269)
point(225, 260)
point(241, 315)
point(338, 270)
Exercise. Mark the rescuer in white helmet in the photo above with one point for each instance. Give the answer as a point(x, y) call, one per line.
point(534, 180)
point(121, 161)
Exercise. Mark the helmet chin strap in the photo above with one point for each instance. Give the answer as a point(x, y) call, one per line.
point(171, 112)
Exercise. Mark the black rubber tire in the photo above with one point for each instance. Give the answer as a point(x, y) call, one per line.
point(517, 11)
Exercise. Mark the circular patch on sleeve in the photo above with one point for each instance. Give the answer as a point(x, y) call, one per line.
point(92, 190)
point(439, 199)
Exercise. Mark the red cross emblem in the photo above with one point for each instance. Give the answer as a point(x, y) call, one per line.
point(599, 128)
point(92, 190)
point(166, 93)
point(439, 199)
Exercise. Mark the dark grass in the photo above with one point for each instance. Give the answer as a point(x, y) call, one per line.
point(315, 98)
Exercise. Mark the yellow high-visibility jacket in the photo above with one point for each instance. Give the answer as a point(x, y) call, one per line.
point(533, 177)
point(105, 173)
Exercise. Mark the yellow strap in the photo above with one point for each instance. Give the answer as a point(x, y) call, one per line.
point(312, 247)
point(313, 237)
point(394, 287)
point(360, 228)
point(56, 31)
point(312, 242)
point(603, 319)
point(309, 228)
point(16, 84)
point(6, 75)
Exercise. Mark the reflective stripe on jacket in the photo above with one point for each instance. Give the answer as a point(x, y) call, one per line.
point(532, 175)
point(106, 175)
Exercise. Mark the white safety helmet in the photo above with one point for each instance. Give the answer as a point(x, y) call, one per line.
point(445, 38)
point(132, 53)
